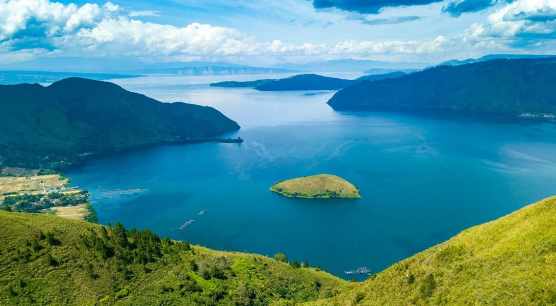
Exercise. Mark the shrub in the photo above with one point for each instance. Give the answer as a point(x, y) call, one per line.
point(359, 297)
point(411, 279)
point(428, 286)
point(280, 257)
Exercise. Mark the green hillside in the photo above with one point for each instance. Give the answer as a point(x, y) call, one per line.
point(509, 87)
point(43, 125)
point(50, 260)
point(510, 261)
point(47, 260)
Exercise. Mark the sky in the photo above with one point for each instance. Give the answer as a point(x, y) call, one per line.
point(269, 32)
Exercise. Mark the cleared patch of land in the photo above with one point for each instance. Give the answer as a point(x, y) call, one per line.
point(38, 191)
point(10, 185)
point(77, 212)
point(317, 187)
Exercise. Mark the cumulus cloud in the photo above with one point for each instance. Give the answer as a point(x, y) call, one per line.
point(519, 23)
point(37, 27)
point(93, 30)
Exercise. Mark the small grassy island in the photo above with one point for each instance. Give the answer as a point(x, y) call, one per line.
point(317, 186)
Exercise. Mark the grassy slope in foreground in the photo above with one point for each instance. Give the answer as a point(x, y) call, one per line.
point(317, 186)
point(510, 261)
point(49, 260)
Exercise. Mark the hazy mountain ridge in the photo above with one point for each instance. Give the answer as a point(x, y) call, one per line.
point(491, 57)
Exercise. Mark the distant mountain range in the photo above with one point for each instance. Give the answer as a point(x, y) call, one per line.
point(351, 65)
point(215, 70)
point(79, 116)
point(517, 87)
point(386, 71)
point(491, 57)
point(101, 65)
point(305, 82)
point(19, 77)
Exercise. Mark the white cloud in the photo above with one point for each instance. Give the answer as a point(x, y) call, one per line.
point(144, 14)
point(519, 22)
point(40, 26)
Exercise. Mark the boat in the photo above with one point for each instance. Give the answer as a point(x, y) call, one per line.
point(202, 212)
point(362, 270)
point(186, 224)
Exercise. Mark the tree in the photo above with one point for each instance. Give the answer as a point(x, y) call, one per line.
point(305, 264)
point(7, 208)
point(120, 235)
point(295, 264)
point(280, 257)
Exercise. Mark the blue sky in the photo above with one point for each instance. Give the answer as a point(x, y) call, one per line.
point(275, 31)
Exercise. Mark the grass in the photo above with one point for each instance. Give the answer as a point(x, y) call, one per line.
point(510, 261)
point(317, 186)
point(77, 212)
point(50, 260)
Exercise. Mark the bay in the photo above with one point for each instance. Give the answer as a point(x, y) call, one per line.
point(423, 179)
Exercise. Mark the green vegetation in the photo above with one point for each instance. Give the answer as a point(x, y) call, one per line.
point(33, 203)
point(510, 261)
point(517, 87)
point(317, 186)
point(58, 125)
point(306, 82)
point(50, 260)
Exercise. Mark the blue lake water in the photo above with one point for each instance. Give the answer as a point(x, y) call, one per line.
point(422, 179)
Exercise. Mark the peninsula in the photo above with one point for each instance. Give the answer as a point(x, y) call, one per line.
point(306, 82)
point(317, 186)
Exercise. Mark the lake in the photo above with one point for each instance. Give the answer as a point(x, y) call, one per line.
point(423, 179)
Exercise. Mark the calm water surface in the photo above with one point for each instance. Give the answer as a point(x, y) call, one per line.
point(422, 179)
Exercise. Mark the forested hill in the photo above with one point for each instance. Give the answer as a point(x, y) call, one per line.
point(47, 260)
point(75, 116)
point(305, 82)
point(504, 86)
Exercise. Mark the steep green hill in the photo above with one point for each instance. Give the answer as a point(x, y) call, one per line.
point(75, 116)
point(47, 260)
point(510, 261)
point(505, 86)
